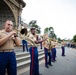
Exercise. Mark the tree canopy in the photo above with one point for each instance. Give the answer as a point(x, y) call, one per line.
point(74, 38)
point(33, 23)
point(50, 31)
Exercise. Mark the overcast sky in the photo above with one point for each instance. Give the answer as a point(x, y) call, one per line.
point(60, 14)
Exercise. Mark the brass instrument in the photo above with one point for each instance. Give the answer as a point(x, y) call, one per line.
point(25, 37)
point(30, 41)
point(50, 46)
point(47, 43)
point(22, 31)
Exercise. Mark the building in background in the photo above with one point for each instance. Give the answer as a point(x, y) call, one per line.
point(11, 9)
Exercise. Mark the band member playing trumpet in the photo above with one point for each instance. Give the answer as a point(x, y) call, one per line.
point(47, 50)
point(24, 42)
point(53, 43)
point(34, 64)
point(8, 38)
point(63, 47)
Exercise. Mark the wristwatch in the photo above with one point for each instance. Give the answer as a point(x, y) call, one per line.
point(15, 36)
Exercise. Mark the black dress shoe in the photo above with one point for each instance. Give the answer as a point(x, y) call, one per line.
point(39, 74)
point(63, 55)
point(55, 60)
point(50, 64)
point(46, 66)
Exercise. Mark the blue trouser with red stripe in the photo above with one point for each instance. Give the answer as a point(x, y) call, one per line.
point(8, 61)
point(46, 57)
point(53, 54)
point(34, 64)
point(63, 50)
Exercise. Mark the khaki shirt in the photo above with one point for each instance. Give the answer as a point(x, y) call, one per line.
point(62, 43)
point(33, 38)
point(9, 44)
point(46, 44)
point(22, 37)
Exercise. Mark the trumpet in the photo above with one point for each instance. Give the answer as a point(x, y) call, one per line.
point(47, 43)
point(22, 31)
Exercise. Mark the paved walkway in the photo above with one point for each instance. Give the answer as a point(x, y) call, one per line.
point(63, 66)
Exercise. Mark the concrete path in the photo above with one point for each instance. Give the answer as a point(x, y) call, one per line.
point(63, 66)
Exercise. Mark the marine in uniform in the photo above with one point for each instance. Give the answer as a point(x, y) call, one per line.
point(63, 47)
point(24, 42)
point(53, 50)
point(34, 64)
point(8, 39)
point(47, 51)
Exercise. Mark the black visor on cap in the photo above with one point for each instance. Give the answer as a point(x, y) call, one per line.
point(32, 28)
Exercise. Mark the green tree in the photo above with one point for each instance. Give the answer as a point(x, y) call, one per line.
point(33, 23)
point(74, 38)
point(50, 31)
point(59, 40)
point(46, 30)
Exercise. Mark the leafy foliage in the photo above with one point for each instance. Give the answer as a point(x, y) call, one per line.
point(33, 23)
point(59, 40)
point(74, 38)
point(50, 31)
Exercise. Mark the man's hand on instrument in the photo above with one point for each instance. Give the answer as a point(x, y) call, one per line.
point(45, 38)
point(13, 33)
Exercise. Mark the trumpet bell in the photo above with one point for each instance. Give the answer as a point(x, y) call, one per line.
point(23, 31)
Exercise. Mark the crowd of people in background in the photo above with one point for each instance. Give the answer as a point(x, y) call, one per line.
point(71, 45)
